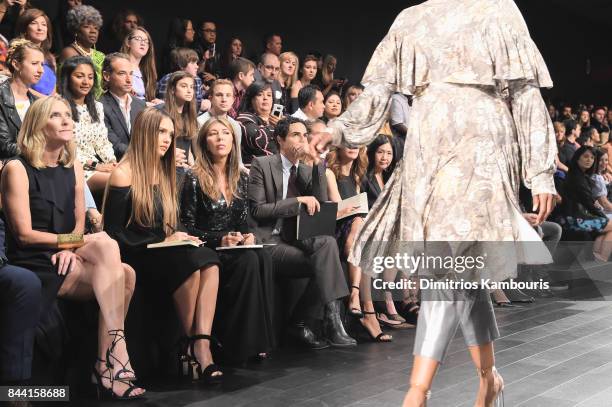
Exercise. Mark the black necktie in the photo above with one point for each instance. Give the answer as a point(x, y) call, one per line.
point(292, 189)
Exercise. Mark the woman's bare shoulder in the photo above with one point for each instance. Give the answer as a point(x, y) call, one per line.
point(121, 176)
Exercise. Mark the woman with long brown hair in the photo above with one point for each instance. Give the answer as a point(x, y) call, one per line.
point(346, 168)
point(214, 207)
point(140, 208)
point(34, 25)
point(180, 103)
point(43, 200)
point(308, 72)
point(138, 45)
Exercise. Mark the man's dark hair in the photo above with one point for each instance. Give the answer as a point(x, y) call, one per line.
point(268, 37)
point(107, 65)
point(570, 125)
point(307, 94)
point(282, 127)
point(240, 65)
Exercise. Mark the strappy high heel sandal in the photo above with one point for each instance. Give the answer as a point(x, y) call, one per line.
point(426, 392)
point(190, 367)
point(379, 337)
point(106, 393)
point(354, 312)
point(118, 335)
point(498, 384)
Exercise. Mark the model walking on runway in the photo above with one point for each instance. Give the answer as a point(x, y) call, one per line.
point(478, 128)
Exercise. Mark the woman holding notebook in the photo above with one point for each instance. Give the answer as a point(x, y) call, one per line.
point(141, 208)
point(346, 170)
point(214, 207)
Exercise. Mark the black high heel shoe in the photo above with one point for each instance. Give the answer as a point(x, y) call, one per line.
point(118, 335)
point(190, 367)
point(379, 337)
point(106, 393)
point(354, 312)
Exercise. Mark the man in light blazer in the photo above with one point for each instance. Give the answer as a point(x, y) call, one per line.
point(277, 184)
point(120, 108)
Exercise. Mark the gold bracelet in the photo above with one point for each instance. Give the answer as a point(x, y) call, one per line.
point(70, 240)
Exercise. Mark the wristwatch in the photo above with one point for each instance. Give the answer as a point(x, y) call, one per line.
point(90, 167)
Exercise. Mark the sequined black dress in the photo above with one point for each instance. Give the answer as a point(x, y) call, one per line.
point(244, 319)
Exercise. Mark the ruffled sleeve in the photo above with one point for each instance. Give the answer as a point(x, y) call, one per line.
point(394, 67)
point(518, 66)
point(513, 53)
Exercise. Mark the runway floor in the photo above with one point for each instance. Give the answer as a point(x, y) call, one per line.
point(556, 352)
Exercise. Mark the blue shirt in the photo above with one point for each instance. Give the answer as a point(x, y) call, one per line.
point(46, 84)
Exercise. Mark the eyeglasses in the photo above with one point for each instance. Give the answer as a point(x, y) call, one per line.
point(272, 68)
point(140, 39)
point(209, 31)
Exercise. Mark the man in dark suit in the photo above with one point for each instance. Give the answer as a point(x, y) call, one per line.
point(277, 184)
point(120, 108)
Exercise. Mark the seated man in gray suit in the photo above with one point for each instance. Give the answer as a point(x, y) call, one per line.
point(120, 108)
point(277, 184)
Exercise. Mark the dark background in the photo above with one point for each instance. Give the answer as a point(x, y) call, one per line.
point(573, 36)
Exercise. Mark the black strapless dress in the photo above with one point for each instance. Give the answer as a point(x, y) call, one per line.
point(165, 269)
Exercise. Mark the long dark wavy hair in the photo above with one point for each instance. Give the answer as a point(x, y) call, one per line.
point(573, 165)
point(63, 88)
point(176, 33)
point(358, 166)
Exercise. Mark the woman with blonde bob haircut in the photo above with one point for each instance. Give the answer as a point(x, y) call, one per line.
point(214, 207)
point(42, 196)
point(140, 209)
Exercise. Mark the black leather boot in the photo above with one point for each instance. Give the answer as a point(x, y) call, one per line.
point(333, 328)
point(304, 336)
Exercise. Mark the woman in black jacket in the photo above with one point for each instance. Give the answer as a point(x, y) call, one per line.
point(25, 61)
point(580, 211)
point(257, 122)
point(381, 163)
point(214, 207)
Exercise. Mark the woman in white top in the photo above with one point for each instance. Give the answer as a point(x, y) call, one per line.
point(94, 150)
